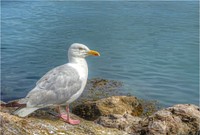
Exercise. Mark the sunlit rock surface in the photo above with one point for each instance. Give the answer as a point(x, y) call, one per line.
point(91, 110)
point(180, 119)
point(43, 123)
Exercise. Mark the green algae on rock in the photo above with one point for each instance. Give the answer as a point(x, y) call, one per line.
point(98, 88)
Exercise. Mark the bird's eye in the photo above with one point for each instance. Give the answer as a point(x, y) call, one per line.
point(80, 48)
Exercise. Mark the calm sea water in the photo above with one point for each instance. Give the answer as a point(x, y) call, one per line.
point(151, 46)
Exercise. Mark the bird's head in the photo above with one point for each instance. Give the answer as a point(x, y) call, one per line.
point(77, 50)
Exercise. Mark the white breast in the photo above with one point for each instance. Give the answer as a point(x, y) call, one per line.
point(82, 70)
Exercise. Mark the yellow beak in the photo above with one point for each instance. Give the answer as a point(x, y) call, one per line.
point(94, 53)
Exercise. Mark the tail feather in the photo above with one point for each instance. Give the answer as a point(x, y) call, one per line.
point(23, 112)
point(12, 104)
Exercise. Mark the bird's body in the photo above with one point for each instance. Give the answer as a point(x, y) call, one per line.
point(61, 85)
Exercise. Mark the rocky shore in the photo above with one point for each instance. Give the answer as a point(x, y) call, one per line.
point(106, 113)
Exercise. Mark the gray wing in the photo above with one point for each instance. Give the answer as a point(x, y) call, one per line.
point(55, 87)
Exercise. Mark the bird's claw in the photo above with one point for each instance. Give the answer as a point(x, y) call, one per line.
point(69, 120)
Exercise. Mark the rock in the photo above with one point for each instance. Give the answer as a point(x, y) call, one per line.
point(181, 119)
point(98, 88)
point(91, 110)
point(99, 83)
point(42, 123)
point(177, 120)
point(123, 122)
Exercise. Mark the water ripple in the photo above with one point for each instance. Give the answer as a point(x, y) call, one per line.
point(153, 47)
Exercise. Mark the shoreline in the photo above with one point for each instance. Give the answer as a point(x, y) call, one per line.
point(103, 110)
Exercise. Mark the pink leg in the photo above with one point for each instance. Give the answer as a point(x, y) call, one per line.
point(67, 118)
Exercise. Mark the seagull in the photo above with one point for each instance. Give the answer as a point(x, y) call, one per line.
point(60, 86)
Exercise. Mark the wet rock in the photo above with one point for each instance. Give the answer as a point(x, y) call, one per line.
point(98, 88)
point(99, 83)
point(181, 119)
point(91, 110)
point(149, 107)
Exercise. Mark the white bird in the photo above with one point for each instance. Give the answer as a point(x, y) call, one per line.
point(61, 85)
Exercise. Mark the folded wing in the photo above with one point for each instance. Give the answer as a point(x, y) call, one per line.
point(55, 87)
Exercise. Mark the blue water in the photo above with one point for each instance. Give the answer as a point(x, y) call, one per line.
point(151, 46)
